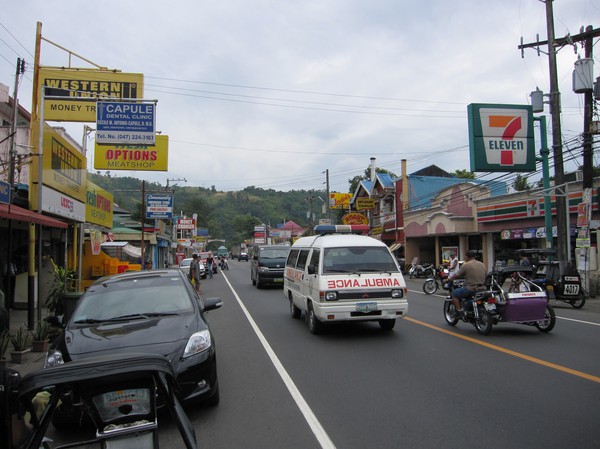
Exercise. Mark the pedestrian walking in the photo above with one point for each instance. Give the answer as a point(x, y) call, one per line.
point(209, 265)
point(195, 273)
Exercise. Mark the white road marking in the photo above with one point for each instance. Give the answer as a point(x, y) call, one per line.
point(305, 409)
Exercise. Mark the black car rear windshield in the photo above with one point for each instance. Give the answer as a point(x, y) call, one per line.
point(361, 259)
point(143, 295)
point(274, 253)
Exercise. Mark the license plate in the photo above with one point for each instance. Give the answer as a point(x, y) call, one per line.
point(366, 307)
point(277, 280)
point(490, 307)
point(571, 289)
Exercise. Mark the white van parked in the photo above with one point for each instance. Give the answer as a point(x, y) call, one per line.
point(337, 275)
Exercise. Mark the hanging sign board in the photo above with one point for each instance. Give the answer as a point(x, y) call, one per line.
point(125, 122)
point(501, 138)
point(71, 93)
point(159, 206)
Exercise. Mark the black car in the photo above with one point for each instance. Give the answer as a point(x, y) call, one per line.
point(243, 256)
point(267, 264)
point(155, 312)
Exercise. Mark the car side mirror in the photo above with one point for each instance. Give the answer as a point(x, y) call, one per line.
point(312, 269)
point(212, 304)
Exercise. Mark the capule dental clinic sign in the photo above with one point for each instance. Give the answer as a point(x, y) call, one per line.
point(501, 138)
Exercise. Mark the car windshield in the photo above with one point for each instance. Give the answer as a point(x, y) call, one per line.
point(367, 259)
point(185, 262)
point(135, 297)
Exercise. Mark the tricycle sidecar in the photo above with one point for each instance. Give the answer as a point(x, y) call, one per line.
point(118, 392)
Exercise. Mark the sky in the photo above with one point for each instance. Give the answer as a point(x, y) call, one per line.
point(275, 94)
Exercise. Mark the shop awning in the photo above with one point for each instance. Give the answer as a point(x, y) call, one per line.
point(29, 216)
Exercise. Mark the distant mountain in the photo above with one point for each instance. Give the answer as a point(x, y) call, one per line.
point(227, 215)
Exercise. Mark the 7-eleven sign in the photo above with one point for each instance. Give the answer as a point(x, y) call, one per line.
point(501, 138)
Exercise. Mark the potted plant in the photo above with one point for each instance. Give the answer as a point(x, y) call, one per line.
point(62, 281)
point(20, 341)
point(41, 336)
point(4, 341)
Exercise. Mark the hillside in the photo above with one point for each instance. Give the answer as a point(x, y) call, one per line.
point(227, 215)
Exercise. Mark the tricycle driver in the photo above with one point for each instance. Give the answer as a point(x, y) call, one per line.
point(474, 273)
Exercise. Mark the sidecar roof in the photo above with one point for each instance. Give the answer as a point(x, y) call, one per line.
point(95, 368)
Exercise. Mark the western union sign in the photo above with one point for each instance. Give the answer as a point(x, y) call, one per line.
point(71, 94)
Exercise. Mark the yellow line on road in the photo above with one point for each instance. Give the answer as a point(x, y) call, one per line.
point(509, 352)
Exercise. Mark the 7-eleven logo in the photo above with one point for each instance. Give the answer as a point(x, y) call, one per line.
point(504, 135)
point(510, 125)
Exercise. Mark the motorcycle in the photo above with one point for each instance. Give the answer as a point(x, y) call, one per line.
point(421, 270)
point(224, 265)
point(432, 284)
point(494, 304)
point(566, 287)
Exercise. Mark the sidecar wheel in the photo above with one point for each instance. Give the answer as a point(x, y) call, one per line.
point(548, 323)
point(430, 286)
point(579, 302)
point(485, 322)
point(450, 313)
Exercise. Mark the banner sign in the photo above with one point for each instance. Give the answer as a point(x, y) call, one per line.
point(133, 157)
point(125, 122)
point(501, 138)
point(98, 206)
point(354, 218)
point(339, 200)
point(4, 192)
point(71, 94)
point(365, 203)
point(186, 224)
point(159, 206)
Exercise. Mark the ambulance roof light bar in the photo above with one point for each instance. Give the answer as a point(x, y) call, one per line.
point(341, 229)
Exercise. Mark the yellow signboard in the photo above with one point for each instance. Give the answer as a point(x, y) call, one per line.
point(133, 157)
point(354, 218)
point(63, 166)
point(70, 94)
point(339, 200)
point(365, 203)
point(98, 206)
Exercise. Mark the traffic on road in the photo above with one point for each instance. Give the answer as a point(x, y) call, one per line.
point(424, 384)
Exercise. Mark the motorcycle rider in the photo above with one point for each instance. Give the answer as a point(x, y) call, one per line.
point(474, 272)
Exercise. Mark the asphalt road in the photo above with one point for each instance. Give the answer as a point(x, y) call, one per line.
point(422, 385)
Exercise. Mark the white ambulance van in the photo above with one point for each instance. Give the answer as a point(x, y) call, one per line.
point(338, 275)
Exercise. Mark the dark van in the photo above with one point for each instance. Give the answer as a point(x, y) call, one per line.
point(267, 264)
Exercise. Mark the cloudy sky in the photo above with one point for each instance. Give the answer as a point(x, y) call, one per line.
point(274, 93)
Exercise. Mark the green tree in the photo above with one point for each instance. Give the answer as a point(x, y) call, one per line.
point(463, 174)
point(521, 184)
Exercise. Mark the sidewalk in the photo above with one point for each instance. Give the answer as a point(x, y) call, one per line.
point(32, 361)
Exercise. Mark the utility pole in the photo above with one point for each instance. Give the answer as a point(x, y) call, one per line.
point(588, 100)
point(328, 205)
point(11, 179)
point(562, 212)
